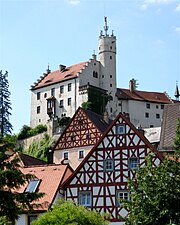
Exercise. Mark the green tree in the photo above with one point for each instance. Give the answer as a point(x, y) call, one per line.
point(155, 194)
point(67, 213)
point(177, 138)
point(13, 203)
point(39, 149)
point(5, 105)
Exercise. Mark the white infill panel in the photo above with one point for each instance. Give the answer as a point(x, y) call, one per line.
point(74, 191)
point(100, 201)
point(74, 180)
point(136, 140)
point(157, 161)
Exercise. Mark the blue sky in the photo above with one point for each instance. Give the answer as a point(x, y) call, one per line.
point(35, 33)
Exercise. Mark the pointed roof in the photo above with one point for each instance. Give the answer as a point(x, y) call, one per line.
point(59, 75)
point(97, 121)
point(176, 94)
point(51, 177)
point(138, 133)
point(171, 114)
point(142, 96)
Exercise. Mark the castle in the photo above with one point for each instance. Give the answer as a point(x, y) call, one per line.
point(59, 93)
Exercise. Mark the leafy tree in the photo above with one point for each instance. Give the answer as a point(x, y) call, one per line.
point(135, 84)
point(67, 213)
point(13, 203)
point(39, 149)
point(155, 194)
point(64, 121)
point(5, 105)
point(177, 138)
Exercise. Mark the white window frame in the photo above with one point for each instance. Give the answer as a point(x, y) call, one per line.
point(130, 163)
point(65, 153)
point(120, 129)
point(124, 196)
point(85, 198)
point(108, 162)
point(81, 150)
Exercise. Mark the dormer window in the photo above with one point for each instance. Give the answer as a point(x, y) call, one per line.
point(32, 186)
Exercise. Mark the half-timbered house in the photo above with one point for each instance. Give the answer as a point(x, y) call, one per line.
point(100, 181)
point(82, 133)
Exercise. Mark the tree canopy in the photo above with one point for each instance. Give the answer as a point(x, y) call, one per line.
point(12, 203)
point(155, 194)
point(5, 105)
point(68, 213)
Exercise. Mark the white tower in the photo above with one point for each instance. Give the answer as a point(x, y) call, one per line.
point(107, 58)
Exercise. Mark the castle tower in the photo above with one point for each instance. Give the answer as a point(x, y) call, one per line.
point(107, 58)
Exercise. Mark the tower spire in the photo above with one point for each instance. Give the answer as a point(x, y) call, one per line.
point(105, 26)
point(176, 94)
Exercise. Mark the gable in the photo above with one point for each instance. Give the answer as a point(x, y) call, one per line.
point(80, 132)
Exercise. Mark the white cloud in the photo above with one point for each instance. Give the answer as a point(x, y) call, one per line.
point(74, 2)
point(177, 29)
point(177, 9)
point(147, 3)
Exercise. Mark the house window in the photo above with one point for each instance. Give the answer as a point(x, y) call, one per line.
point(157, 116)
point(121, 195)
point(108, 165)
point(120, 129)
point(61, 89)
point(81, 154)
point(69, 101)
point(38, 95)
point(69, 87)
point(85, 198)
point(157, 106)
point(162, 106)
point(53, 92)
point(88, 136)
point(61, 103)
point(31, 218)
point(147, 105)
point(32, 186)
point(38, 109)
point(65, 155)
point(147, 115)
point(133, 163)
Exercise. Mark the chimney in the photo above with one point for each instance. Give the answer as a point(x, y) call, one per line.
point(131, 86)
point(126, 115)
point(50, 156)
point(106, 117)
point(141, 130)
point(62, 67)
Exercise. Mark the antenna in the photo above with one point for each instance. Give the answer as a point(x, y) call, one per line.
point(106, 26)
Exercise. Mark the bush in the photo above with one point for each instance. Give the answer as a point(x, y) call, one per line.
point(27, 131)
point(64, 121)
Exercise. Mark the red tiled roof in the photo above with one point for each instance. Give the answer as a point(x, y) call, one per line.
point(51, 177)
point(143, 96)
point(57, 76)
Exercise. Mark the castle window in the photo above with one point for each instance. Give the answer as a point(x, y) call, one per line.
point(62, 89)
point(69, 87)
point(110, 85)
point(95, 74)
point(147, 115)
point(38, 109)
point(108, 165)
point(52, 91)
point(65, 155)
point(38, 95)
point(80, 154)
point(120, 129)
point(110, 57)
point(111, 47)
point(162, 106)
point(61, 103)
point(157, 116)
point(102, 76)
point(69, 101)
point(133, 163)
point(147, 105)
point(110, 76)
point(45, 95)
point(157, 106)
point(85, 198)
point(121, 195)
